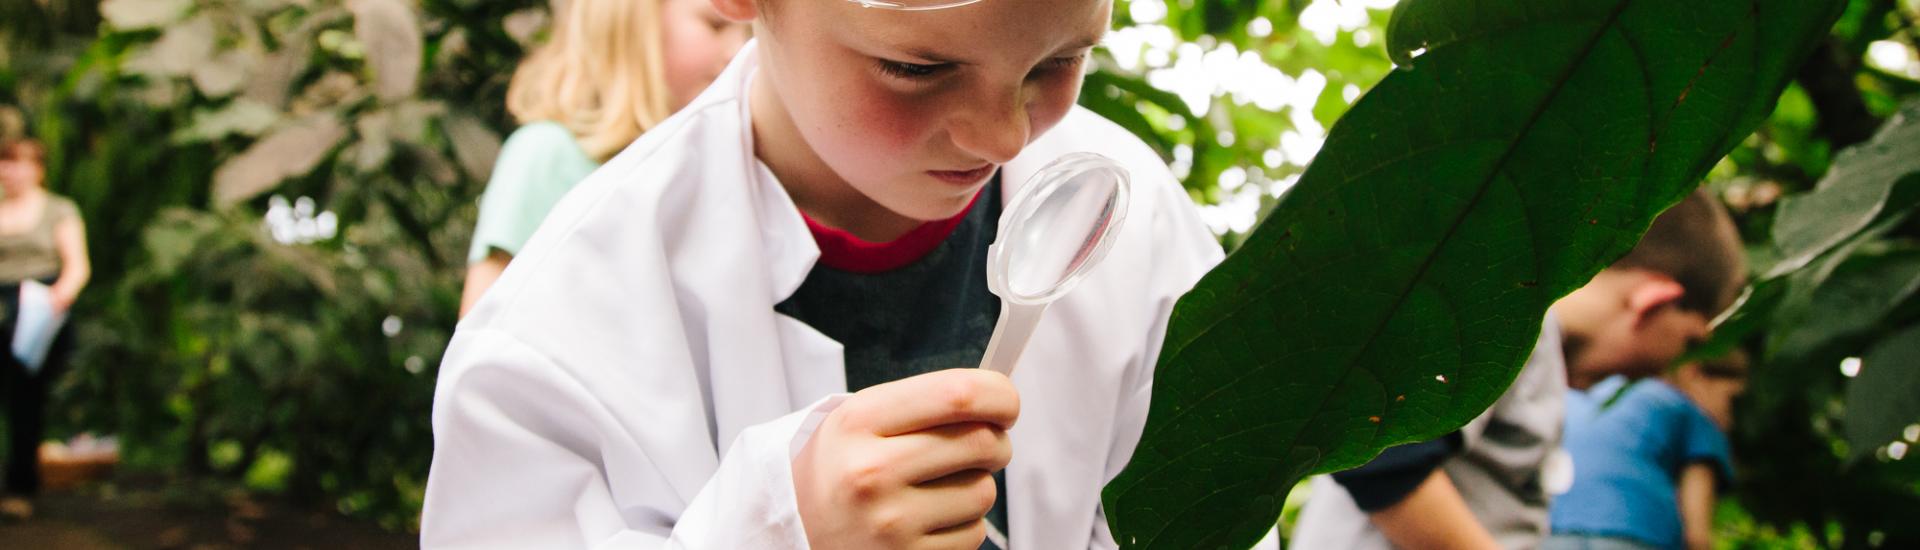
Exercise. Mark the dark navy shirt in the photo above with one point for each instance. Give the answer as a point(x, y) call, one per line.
point(933, 313)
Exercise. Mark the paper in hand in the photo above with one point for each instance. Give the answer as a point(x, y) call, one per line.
point(35, 325)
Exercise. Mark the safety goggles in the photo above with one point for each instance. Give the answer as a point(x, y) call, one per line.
point(913, 5)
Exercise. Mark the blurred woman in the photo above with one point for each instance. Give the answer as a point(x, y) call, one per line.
point(42, 239)
point(611, 69)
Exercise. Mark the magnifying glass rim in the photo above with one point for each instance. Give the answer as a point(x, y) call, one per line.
point(904, 6)
point(1046, 181)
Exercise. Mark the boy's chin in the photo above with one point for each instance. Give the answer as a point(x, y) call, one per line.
point(928, 213)
point(1640, 369)
point(1598, 368)
point(933, 209)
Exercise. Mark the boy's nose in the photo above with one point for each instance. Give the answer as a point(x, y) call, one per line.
point(996, 131)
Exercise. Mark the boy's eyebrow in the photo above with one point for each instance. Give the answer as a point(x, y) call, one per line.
point(932, 57)
point(936, 58)
point(1085, 42)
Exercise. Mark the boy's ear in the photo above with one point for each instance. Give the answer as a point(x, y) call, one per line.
point(740, 11)
point(1651, 293)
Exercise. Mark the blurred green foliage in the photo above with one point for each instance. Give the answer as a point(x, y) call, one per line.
point(278, 195)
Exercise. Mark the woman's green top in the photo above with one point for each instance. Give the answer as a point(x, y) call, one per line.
point(32, 254)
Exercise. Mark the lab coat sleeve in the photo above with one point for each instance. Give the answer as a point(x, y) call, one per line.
point(526, 457)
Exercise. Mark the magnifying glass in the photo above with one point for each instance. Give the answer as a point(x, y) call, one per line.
point(1056, 229)
point(913, 5)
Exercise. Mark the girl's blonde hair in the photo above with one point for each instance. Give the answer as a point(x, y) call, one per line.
point(600, 74)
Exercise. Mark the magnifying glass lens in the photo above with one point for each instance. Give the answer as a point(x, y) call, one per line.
point(1066, 224)
point(1057, 227)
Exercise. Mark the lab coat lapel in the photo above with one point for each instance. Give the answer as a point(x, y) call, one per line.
point(762, 364)
point(815, 365)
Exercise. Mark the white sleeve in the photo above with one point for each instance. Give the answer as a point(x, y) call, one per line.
point(526, 457)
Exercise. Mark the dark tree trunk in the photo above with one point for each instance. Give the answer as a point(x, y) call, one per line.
point(1828, 79)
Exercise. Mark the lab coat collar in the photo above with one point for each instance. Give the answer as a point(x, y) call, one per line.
point(789, 247)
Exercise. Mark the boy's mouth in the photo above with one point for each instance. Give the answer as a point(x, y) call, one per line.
point(964, 177)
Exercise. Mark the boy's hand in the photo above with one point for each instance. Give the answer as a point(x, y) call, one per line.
point(909, 463)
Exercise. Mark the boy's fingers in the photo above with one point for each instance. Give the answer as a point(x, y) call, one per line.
point(937, 452)
point(954, 501)
point(962, 537)
point(933, 399)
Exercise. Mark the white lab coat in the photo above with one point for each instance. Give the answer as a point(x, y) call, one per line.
point(627, 383)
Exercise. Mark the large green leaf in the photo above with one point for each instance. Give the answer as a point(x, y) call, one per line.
point(1394, 293)
point(1867, 181)
point(1781, 303)
point(1871, 190)
point(1855, 301)
point(1885, 397)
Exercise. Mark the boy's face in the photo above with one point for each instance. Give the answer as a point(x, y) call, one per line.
point(1713, 387)
point(917, 110)
point(1647, 343)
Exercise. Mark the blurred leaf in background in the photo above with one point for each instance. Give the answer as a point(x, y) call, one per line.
point(1835, 403)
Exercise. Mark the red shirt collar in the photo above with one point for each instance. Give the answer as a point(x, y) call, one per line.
point(844, 251)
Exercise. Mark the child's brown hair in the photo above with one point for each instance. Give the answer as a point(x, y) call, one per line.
point(23, 149)
point(1696, 244)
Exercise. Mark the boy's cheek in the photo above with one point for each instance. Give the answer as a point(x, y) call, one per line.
point(894, 123)
point(1053, 105)
point(879, 126)
point(1048, 117)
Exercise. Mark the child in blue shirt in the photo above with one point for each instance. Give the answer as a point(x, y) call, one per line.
point(1491, 484)
point(1648, 457)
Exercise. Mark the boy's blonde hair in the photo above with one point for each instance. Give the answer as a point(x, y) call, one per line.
point(1696, 244)
point(601, 74)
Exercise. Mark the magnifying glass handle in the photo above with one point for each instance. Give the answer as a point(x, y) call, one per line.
point(1010, 336)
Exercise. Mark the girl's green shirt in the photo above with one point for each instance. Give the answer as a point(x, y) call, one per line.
point(538, 164)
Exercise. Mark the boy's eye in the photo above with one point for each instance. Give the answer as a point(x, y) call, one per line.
point(1060, 64)
point(1064, 62)
point(912, 71)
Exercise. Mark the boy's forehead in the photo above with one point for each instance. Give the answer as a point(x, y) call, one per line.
point(974, 32)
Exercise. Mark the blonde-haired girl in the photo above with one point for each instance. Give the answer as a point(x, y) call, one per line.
point(610, 70)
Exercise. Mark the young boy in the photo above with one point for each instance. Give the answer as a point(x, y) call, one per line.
point(1648, 458)
point(1488, 485)
point(664, 364)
